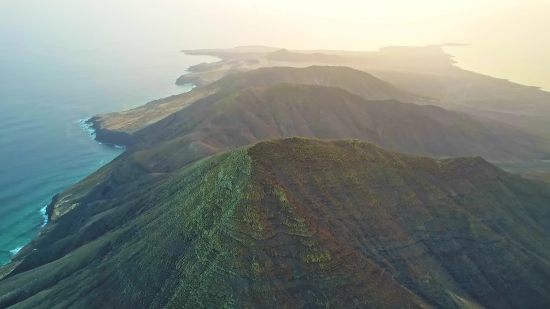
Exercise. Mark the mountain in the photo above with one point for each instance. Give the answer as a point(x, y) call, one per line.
point(415, 129)
point(233, 119)
point(227, 120)
point(427, 71)
point(299, 223)
point(116, 128)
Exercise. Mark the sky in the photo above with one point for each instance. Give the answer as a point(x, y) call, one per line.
point(345, 24)
point(361, 10)
point(508, 35)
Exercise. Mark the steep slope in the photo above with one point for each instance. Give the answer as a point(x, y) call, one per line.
point(236, 119)
point(301, 224)
point(229, 120)
point(116, 127)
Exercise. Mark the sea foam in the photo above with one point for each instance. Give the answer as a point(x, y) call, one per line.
point(86, 126)
point(14, 251)
point(44, 215)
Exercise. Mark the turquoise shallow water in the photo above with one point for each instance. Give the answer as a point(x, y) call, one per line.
point(43, 147)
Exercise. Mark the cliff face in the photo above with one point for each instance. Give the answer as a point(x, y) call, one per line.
point(105, 136)
point(228, 120)
point(301, 224)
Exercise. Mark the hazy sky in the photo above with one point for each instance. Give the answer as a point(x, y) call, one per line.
point(361, 10)
point(351, 24)
point(508, 33)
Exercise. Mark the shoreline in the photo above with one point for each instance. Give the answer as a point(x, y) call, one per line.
point(463, 62)
point(15, 251)
point(101, 136)
point(88, 125)
point(104, 136)
point(43, 212)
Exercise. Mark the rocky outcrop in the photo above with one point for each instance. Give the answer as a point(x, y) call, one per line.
point(110, 137)
point(190, 79)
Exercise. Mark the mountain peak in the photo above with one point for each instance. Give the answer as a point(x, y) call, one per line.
point(297, 223)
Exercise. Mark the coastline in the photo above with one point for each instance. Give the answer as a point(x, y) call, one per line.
point(158, 82)
point(466, 57)
point(121, 140)
point(102, 136)
point(116, 128)
point(44, 212)
point(89, 125)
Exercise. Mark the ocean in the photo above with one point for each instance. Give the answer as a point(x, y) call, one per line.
point(44, 148)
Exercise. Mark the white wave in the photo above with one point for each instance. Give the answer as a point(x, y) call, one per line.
point(87, 127)
point(14, 251)
point(44, 215)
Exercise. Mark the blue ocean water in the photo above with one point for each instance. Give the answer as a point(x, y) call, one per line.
point(43, 146)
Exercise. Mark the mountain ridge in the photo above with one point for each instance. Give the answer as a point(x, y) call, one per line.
point(230, 120)
point(427, 71)
point(208, 208)
point(122, 124)
point(304, 223)
point(285, 110)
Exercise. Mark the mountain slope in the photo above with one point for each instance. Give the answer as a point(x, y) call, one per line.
point(226, 121)
point(302, 224)
point(116, 127)
point(236, 119)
